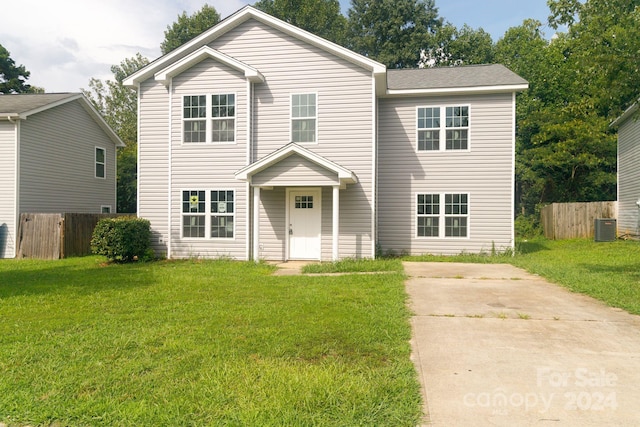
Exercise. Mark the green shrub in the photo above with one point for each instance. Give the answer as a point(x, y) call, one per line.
point(527, 226)
point(123, 239)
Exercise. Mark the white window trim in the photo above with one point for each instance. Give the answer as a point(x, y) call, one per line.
point(96, 163)
point(443, 129)
point(208, 119)
point(441, 216)
point(207, 216)
point(102, 207)
point(291, 118)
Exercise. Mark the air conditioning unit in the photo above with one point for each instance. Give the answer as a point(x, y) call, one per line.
point(605, 229)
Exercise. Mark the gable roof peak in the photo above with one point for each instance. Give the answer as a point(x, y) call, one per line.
point(234, 20)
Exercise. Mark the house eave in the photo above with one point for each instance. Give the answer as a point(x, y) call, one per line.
point(165, 75)
point(458, 90)
point(345, 176)
point(627, 113)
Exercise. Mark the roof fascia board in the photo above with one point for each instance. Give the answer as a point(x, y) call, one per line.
point(288, 150)
point(199, 55)
point(627, 113)
point(458, 90)
point(88, 106)
point(238, 18)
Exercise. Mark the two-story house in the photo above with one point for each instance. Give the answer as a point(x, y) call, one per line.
point(259, 140)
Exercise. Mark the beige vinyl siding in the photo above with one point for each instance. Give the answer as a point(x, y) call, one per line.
point(344, 116)
point(8, 224)
point(484, 173)
point(153, 161)
point(629, 177)
point(212, 165)
point(57, 162)
point(273, 227)
point(295, 171)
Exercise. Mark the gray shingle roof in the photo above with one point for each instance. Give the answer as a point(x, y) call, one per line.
point(452, 77)
point(22, 103)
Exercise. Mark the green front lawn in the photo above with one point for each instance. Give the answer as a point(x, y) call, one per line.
point(201, 343)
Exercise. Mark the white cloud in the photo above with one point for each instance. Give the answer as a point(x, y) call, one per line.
point(65, 43)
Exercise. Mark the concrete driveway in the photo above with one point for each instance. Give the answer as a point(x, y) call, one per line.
point(497, 346)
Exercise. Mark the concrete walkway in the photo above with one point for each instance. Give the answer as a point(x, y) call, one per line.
point(496, 346)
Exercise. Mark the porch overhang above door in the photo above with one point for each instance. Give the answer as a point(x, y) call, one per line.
point(293, 165)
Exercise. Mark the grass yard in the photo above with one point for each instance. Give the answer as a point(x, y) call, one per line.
point(201, 343)
point(608, 271)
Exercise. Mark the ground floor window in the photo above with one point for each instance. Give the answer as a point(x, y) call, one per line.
point(215, 222)
point(442, 215)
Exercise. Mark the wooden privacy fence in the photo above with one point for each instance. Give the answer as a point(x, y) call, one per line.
point(574, 220)
point(56, 236)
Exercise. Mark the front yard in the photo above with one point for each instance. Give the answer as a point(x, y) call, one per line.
point(201, 343)
point(225, 343)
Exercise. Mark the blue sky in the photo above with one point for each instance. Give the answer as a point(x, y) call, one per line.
point(64, 43)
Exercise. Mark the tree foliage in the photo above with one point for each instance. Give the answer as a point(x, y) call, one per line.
point(13, 78)
point(393, 32)
point(188, 27)
point(118, 105)
point(320, 17)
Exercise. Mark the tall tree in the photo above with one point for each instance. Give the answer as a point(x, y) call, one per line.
point(320, 17)
point(13, 78)
point(118, 105)
point(188, 27)
point(393, 32)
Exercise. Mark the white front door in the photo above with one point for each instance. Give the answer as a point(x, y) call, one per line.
point(305, 221)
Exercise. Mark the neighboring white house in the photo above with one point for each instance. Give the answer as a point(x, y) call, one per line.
point(628, 172)
point(57, 154)
point(259, 140)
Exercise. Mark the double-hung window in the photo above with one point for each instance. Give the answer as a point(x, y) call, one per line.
point(454, 133)
point(442, 215)
point(222, 213)
point(457, 122)
point(209, 118)
point(216, 222)
point(429, 129)
point(100, 162)
point(304, 117)
point(193, 213)
point(223, 113)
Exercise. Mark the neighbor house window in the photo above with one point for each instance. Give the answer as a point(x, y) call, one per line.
point(454, 133)
point(100, 163)
point(193, 213)
point(222, 213)
point(303, 117)
point(435, 210)
point(105, 209)
point(223, 113)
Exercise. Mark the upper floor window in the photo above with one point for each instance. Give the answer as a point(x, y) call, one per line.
point(209, 118)
point(457, 128)
point(303, 117)
point(454, 133)
point(101, 161)
point(223, 113)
